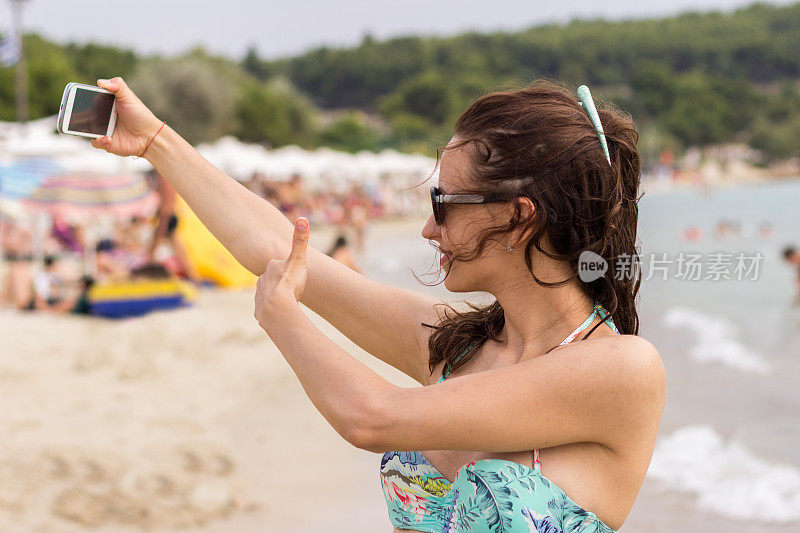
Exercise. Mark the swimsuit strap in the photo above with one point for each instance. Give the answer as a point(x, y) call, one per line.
point(571, 336)
point(605, 319)
point(447, 367)
point(597, 310)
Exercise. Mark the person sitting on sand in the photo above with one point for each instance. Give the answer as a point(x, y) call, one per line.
point(46, 286)
point(79, 303)
point(109, 264)
point(16, 285)
point(538, 394)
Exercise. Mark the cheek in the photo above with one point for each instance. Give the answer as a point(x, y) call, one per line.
point(457, 233)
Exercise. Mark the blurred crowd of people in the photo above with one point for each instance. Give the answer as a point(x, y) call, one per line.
point(349, 211)
point(72, 257)
point(728, 230)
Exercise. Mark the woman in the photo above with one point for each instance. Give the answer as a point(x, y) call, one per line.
point(523, 430)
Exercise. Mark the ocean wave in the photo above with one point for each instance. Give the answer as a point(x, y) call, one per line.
point(716, 341)
point(726, 477)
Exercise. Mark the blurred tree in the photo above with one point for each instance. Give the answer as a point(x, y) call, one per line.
point(350, 133)
point(260, 69)
point(777, 138)
point(652, 83)
point(273, 114)
point(777, 129)
point(94, 61)
point(699, 115)
point(427, 95)
point(194, 93)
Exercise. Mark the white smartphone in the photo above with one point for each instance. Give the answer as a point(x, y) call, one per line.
point(87, 111)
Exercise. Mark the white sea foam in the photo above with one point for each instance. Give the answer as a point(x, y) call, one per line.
point(726, 477)
point(715, 340)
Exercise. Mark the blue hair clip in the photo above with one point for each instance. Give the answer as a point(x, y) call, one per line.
point(588, 105)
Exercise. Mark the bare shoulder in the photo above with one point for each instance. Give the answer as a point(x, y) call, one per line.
point(616, 352)
point(626, 372)
point(642, 359)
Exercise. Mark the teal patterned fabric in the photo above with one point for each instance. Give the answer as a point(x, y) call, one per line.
point(487, 495)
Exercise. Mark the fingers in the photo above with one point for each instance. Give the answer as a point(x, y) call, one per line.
point(297, 257)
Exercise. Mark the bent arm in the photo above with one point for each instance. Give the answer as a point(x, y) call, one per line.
point(598, 391)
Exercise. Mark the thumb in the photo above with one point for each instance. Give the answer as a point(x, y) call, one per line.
point(103, 142)
point(297, 257)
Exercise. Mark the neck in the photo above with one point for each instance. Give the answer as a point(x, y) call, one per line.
point(538, 318)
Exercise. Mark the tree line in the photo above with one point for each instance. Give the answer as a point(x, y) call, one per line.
point(690, 79)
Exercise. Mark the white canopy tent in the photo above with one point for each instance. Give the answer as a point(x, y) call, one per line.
point(323, 167)
point(320, 168)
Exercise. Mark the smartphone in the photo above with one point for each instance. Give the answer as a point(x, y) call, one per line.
point(87, 111)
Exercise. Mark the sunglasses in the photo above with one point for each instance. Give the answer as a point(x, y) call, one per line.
point(439, 201)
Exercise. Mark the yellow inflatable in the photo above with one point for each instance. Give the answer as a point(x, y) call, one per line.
point(211, 260)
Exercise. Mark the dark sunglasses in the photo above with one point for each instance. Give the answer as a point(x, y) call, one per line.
point(439, 201)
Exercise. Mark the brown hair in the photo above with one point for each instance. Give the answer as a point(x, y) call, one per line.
point(538, 142)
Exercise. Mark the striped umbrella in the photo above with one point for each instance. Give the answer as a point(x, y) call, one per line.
point(89, 195)
point(21, 178)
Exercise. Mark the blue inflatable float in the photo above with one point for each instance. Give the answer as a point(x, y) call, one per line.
point(128, 298)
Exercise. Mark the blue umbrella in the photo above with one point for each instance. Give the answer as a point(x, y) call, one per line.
point(19, 180)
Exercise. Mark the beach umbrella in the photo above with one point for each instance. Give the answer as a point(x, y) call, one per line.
point(19, 179)
point(84, 196)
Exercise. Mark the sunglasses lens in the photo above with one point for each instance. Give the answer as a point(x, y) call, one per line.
point(437, 207)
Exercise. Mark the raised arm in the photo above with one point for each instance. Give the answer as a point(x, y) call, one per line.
point(385, 321)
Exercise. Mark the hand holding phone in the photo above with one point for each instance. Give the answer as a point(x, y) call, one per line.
point(135, 123)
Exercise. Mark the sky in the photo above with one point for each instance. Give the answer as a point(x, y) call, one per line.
point(279, 29)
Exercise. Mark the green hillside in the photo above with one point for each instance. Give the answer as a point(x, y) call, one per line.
point(692, 79)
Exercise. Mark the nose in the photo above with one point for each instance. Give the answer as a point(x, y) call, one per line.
point(431, 229)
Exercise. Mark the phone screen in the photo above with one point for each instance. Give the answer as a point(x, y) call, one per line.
point(91, 111)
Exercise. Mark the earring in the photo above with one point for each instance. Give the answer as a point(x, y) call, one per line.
point(509, 247)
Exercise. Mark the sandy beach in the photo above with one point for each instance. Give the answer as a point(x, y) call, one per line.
point(191, 420)
point(170, 421)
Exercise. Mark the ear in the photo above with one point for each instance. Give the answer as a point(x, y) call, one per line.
point(527, 210)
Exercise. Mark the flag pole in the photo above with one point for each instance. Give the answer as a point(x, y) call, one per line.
point(21, 75)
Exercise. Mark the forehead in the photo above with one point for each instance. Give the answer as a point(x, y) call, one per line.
point(455, 166)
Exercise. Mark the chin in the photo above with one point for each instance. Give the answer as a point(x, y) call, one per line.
point(453, 285)
point(448, 283)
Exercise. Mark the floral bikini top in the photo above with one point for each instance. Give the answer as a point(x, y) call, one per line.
point(487, 494)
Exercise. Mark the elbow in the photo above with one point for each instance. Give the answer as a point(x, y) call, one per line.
point(368, 425)
point(260, 252)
